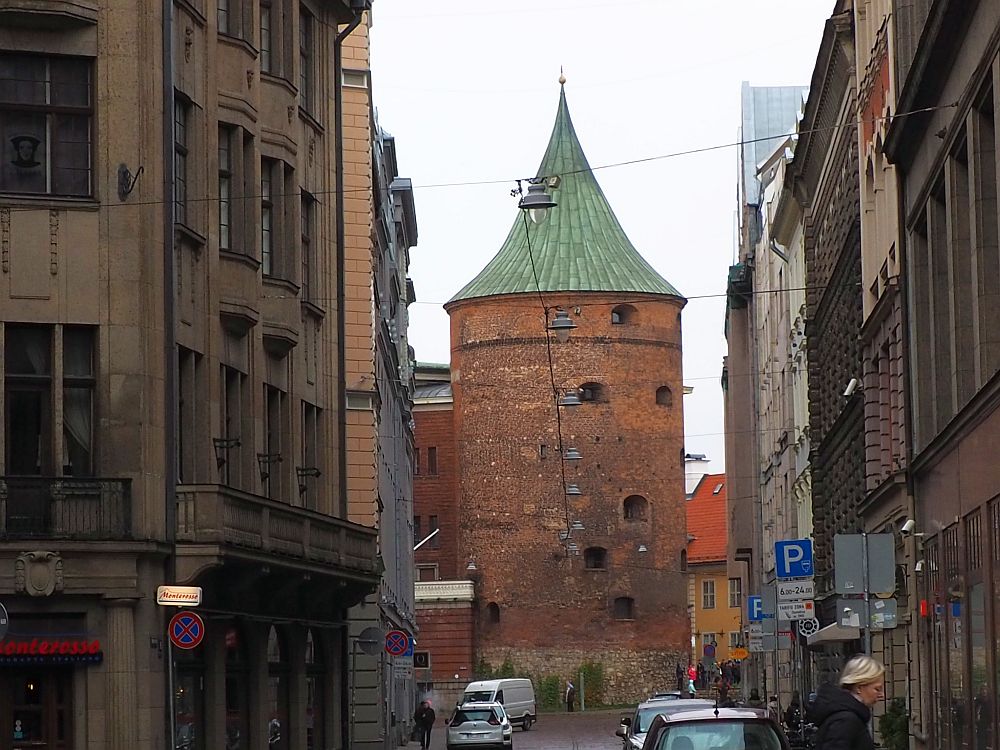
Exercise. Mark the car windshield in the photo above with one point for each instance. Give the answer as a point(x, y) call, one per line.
point(721, 734)
point(465, 715)
point(479, 696)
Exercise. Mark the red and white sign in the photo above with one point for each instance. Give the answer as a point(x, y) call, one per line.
point(801, 610)
point(179, 596)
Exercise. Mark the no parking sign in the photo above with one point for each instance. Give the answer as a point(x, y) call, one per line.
point(186, 630)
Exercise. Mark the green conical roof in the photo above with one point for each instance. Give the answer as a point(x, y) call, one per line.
point(579, 247)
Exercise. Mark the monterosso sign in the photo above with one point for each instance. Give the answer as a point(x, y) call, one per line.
point(179, 596)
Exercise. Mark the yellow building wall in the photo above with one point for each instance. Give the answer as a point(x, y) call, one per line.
point(720, 619)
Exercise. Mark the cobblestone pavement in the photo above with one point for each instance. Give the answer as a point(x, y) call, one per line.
point(588, 730)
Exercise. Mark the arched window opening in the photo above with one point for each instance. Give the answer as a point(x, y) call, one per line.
point(595, 558)
point(624, 608)
point(237, 689)
point(277, 691)
point(592, 392)
point(493, 613)
point(684, 559)
point(635, 508)
point(315, 670)
point(664, 396)
point(623, 315)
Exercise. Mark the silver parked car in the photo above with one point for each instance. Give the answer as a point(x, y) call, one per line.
point(480, 725)
point(633, 728)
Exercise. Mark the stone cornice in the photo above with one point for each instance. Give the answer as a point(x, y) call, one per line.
point(443, 591)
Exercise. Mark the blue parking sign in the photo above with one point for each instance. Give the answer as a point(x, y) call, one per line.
point(793, 558)
point(755, 609)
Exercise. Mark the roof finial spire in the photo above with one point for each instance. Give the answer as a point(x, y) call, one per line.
point(562, 78)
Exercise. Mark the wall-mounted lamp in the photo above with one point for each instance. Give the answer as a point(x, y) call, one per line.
point(222, 447)
point(919, 567)
point(852, 385)
point(302, 472)
point(572, 549)
point(572, 454)
point(577, 526)
point(570, 398)
point(471, 567)
point(561, 325)
point(573, 490)
point(264, 461)
point(642, 548)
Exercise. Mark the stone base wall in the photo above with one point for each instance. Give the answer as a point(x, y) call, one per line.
point(629, 676)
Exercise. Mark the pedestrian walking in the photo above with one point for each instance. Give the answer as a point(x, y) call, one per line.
point(843, 712)
point(570, 696)
point(424, 719)
point(679, 676)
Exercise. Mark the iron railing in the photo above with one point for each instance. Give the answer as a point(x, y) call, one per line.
point(65, 508)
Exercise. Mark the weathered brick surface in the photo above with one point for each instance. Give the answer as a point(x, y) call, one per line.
point(446, 632)
point(512, 502)
point(435, 494)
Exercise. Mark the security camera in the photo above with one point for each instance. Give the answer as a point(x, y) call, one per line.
point(919, 567)
point(852, 386)
point(908, 527)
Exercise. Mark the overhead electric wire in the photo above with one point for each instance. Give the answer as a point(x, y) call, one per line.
point(88, 203)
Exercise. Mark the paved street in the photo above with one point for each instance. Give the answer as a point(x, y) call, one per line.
point(591, 730)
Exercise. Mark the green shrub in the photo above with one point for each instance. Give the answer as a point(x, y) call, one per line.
point(593, 683)
point(548, 692)
point(894, 726)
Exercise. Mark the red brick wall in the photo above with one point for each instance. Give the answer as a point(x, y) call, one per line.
point(513, 505)
point(435, 495)
point(446, 632)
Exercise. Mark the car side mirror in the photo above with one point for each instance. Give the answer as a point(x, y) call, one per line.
point(622, 729)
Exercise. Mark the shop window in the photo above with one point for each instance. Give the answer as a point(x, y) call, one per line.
point(315, 675)
point(595, 558)
point(38, 707)
point(277, 691)
point(189, 699)
point(624, 608)
point(237, 690)
point(635, 508)
point(46, 125)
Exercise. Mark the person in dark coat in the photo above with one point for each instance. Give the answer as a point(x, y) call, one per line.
point(570, 696)
point(424, 719)
point(843, 712)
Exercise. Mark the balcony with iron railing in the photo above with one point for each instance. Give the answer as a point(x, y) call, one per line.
point(211, 514)
point(73, 508)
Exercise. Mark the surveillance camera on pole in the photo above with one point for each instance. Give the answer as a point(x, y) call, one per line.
point(852, 386)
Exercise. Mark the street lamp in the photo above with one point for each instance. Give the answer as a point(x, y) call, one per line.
point(561, 325)
point(537, 201)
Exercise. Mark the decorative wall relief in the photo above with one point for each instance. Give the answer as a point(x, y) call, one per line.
point(5, 239)
point(53, 242)
point(38, 573)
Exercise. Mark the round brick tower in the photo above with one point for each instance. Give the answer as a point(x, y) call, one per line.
point(563, 579)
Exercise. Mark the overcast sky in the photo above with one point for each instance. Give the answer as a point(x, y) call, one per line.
point(469, 90)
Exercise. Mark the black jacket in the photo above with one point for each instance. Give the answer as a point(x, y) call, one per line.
point(424, 717)
point(842, 720)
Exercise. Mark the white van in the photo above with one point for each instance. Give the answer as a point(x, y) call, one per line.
point(517, 696)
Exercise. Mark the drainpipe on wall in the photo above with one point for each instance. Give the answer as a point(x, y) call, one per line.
point(169, 345)
point(358, 7)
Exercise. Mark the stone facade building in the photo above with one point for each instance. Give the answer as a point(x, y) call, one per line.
point(171, 327)
point(575, 561)
point(947, 63)
point(823, 177)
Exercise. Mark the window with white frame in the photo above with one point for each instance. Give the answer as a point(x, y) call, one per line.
point(736, 592)
point(708, 594)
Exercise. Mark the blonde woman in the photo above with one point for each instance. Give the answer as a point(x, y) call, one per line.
point(843, 712)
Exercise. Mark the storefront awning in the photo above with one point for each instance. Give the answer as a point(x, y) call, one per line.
point(833, 633)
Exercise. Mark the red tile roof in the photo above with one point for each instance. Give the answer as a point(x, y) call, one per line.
point(706, 520)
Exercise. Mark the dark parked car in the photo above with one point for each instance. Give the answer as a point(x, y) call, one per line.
point(716, 729)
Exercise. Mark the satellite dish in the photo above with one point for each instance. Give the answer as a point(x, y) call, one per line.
point(371, 640)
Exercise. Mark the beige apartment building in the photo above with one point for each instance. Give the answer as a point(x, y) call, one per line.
point(175, 384)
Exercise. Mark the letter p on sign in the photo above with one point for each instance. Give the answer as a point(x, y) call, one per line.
point(793, 558)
